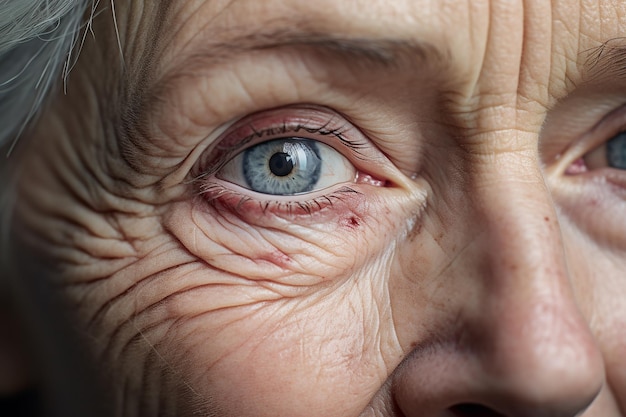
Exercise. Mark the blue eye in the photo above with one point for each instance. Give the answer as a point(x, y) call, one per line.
point(288, 166)
point(616, 151)
point(284, 167)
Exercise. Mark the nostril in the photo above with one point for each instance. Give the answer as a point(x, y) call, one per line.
point(473, 410)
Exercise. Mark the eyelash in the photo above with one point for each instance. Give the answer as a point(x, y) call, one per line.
point(217, 194)
point(225, 152)
point(228, 197)
point(322, 131)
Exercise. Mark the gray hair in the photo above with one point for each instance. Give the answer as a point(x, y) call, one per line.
point(37, 38)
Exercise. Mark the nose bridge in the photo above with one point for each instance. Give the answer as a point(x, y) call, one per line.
point(517, 223)
point(531, 341)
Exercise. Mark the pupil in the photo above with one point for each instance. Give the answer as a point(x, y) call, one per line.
point(281, 164)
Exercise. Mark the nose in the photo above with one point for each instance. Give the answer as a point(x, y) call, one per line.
point(510, 339)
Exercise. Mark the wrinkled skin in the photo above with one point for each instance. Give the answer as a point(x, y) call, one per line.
point(474, 267)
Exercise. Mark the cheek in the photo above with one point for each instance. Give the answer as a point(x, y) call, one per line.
point(254, 316)
point(248, 349)
point(282, 319)
point(288, 357)
point(609, 319)
point(252, 319)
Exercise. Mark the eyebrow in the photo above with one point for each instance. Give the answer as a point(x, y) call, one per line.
point(366, 52)
point(605, 62)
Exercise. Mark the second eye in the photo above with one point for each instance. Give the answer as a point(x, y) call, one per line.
point(611, 154)
point(288, 166)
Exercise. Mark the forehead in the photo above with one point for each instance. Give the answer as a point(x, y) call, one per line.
point(540, 36)
point(496, 64)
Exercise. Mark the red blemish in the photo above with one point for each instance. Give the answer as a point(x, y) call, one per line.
point(546, 219)
point(277, 258)
point(352, 222)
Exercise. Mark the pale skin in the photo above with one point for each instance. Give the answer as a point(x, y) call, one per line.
point(469, 260)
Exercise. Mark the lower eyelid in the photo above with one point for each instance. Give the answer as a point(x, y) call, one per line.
point(325, 204)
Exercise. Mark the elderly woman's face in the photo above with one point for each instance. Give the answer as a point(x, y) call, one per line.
point(343, 208)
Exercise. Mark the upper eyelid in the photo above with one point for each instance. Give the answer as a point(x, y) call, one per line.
point(231, 142)
point(602, 131)
point(358, 147)
point(608, 125)
point(317, 117)
point(269, 133)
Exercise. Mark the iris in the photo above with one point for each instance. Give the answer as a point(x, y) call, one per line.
point(616, 151)
point(282, 166)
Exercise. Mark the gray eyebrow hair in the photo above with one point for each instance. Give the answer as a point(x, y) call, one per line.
point(607, 61)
